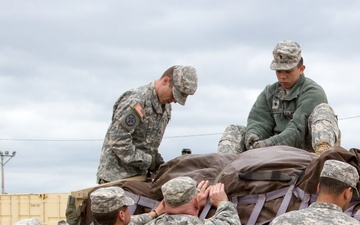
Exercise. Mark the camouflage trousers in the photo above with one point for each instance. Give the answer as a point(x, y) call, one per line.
point(322, 129)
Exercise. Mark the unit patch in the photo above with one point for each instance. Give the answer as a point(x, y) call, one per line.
point(130, 120)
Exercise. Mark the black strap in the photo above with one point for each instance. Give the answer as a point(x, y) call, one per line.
point(265, 175)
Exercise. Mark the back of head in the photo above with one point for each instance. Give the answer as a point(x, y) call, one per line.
point(179, 191)
point(287, 55)
point(108, 199)
point(30, 221)
point(342, 172)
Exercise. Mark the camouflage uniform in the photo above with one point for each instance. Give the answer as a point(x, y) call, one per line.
point(181, 190)
point(299, 118)
point(105, 200)
point(30, 221)
point(322, 212)
point(137, 128)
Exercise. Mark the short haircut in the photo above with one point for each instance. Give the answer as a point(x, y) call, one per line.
point(108, 218)
point(301, 62)
point(332, 186)
point(169, 73)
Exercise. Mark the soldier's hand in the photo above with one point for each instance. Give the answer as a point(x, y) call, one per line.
point(250, 139)
point(72, 213)
point(203, 192)
point(159, 160)
point(217, 194)
point(264, 143)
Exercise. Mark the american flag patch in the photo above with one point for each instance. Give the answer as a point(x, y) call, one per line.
point(139, 110)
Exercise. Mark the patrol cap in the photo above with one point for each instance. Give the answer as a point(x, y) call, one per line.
point(342, 172)
point(30, 221)
point(287, 54)
point(185, 83)
point(107, 199)
point(179, 191)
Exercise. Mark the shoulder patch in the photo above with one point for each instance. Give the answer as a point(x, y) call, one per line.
point(139, 110)
point(130, 121)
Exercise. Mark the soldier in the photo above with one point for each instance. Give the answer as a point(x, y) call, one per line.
point(292, 111)
point(335, 189)
point(139, 119)
point(182, 203)
point(109, 205)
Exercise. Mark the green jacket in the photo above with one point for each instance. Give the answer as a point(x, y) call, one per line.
point(284, 117)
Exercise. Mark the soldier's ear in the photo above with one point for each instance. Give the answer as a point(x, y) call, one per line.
point(348, 193)
point(121, 215)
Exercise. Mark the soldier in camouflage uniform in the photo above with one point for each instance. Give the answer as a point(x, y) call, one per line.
point(336, 187)
point(139, 119)
point(182, 204)
point(292, 111)
point(109, 205)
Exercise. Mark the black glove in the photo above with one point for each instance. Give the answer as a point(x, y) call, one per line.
point(156, 162)
point(264, 143)
point(250, 139)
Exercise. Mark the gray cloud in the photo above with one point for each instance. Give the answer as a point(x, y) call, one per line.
point(63, 65)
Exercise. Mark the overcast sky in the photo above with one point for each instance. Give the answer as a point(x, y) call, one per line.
point(63, 64)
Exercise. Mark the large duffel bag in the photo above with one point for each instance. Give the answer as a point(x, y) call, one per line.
point(263, 183)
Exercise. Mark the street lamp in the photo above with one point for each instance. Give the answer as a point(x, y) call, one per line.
point(5, 154)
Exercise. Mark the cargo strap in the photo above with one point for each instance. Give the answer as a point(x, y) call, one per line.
point(142, 201)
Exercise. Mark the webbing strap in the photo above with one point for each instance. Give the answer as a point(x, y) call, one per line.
point(306, 198)
point(265, 175)
point(205, 210)
point(257, 209)
point(259, 201)
point(140, 200)
point(252, 199)
point(285, 203)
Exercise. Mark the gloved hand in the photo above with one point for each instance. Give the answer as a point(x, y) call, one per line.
point(250, 139)
point(72, 213)
point(263, 143)
point(156, 162)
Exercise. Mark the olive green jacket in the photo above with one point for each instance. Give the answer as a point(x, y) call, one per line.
point(283, 117)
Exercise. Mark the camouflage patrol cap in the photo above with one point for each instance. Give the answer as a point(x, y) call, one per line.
point(107, 199)
point(287, 54)
point(342, 172)
point(179, 190)
point(185, 83)
point(30, 221)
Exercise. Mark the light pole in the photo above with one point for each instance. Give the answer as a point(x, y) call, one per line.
point(5, 154)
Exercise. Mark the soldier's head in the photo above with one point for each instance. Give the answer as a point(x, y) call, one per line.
point(337, 178)
point(110, 204)
point(179, 191)
point(178, 82)
point(288, 63)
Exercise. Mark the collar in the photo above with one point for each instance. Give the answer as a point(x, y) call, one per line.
point(326, 205)
point(158, 107)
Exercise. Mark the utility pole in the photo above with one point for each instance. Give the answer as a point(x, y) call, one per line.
point(2, 155)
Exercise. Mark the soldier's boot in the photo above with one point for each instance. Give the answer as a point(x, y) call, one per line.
point(321, 148)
